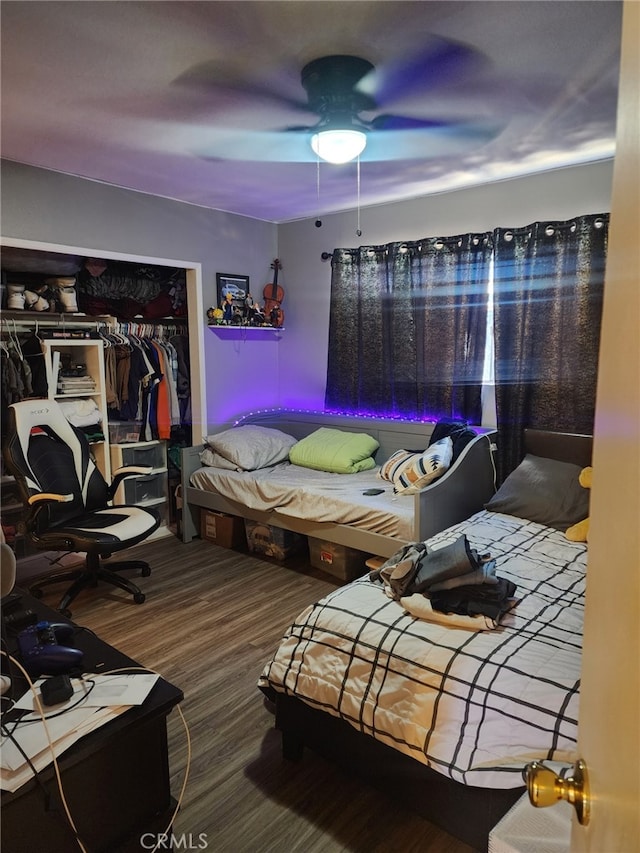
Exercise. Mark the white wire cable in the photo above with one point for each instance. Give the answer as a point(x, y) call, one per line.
point(492, 448)
point(358, 229)
point(128, 670)
point(51, 747)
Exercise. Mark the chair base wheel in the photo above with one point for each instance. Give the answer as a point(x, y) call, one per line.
point(146, 572)
point(139, 597)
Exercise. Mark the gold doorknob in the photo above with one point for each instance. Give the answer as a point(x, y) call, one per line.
point(545, 787)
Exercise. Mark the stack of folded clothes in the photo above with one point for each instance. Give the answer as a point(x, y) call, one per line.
point(454, 579)
point(76, 385)
point(86, 415)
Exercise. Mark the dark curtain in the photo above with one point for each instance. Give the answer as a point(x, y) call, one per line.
point(407, 328)
point(548, 287)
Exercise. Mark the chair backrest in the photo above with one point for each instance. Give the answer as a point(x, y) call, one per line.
point(46, 453)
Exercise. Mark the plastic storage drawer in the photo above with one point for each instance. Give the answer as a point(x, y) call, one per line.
point(150, 455)
point(146, 489)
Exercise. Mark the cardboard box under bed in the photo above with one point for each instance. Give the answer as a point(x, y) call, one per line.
point(220, 528)
point(272, 541)
point(338, 560)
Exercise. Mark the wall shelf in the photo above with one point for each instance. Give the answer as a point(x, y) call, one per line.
point(240, 332)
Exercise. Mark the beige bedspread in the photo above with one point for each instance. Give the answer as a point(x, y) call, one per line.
point(315, 495)
point(473, 705)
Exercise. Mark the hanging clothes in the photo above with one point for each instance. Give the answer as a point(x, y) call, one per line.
point(17, 368)
point(151, 384)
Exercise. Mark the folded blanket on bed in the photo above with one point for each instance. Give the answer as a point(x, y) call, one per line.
point(484, 574)
point(453, 579)
point(415, 568)
point(492, 600)
point(418, 605)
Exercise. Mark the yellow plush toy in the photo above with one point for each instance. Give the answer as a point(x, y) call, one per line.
point(580, 532)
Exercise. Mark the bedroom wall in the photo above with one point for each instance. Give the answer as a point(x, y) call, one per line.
point(306, 277)
point(49, 207)
point(286, 369)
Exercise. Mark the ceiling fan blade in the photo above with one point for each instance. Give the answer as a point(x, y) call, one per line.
point(223, 82)
point(438, 64)
point(257, 146)
point(391, 122)
point(292, 145)
point(422, 143)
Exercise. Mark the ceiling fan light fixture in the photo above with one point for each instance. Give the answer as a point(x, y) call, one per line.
point(339, 145)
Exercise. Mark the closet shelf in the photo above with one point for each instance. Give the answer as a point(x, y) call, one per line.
point(52, 318)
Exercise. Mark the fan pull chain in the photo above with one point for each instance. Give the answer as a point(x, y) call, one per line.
point(358, 231)
point(318, 220)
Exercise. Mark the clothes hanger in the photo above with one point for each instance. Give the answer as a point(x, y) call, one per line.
point(4, 345)
point(105, 340)
point(15, 341)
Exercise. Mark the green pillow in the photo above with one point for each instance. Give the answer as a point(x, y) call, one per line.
point(335, 450)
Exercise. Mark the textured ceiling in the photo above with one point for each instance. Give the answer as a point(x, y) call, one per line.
point(192, 100)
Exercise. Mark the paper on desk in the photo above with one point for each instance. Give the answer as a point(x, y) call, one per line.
point(32, 736)
point(131, 689)
point(107, 690)
point(63, 731)
point(66, 722)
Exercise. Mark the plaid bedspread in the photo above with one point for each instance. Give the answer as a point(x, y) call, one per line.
point(474, 705)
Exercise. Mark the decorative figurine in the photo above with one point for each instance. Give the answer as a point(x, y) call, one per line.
point(258, 315)
point(249, 304)
point(275, 315)
point(227, 308)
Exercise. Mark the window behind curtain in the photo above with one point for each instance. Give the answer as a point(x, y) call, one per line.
point(408, 327)
point(417, 329)
point(549, 283)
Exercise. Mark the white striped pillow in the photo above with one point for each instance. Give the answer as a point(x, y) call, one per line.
point(409, 471)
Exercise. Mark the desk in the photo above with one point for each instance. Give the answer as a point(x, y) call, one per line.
point(115, 780)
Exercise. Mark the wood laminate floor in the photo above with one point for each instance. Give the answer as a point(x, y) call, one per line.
point(211, 620)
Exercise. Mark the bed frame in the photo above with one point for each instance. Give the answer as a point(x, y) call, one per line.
point(460, 492)
point(467, 813)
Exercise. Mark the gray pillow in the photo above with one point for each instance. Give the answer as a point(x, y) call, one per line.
point(543, 490)
point(251, 446)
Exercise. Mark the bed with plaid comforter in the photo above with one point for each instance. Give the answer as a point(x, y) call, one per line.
point(474, 705)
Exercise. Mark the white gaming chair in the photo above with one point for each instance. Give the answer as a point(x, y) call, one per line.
point(68, 500)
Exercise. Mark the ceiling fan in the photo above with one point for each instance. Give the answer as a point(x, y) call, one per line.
point(336, 88)
point(345, 92)
point(331, 84)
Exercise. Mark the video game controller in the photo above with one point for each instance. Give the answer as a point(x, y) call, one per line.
point(41, 650)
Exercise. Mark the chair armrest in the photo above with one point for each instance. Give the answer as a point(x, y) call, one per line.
point(38, 502)
point(49, 497)
point(126, 472)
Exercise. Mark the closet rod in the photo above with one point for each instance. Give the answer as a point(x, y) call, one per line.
point(29, 320)
point(140, 328)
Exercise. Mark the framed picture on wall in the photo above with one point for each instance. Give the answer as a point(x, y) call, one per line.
point(232, 288)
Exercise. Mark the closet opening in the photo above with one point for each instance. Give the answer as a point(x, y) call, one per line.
point(63, 303)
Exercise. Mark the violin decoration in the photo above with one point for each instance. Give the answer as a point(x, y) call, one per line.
point(273, 296)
